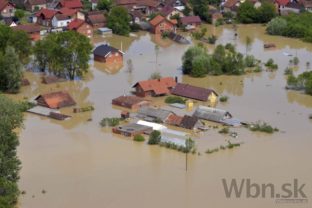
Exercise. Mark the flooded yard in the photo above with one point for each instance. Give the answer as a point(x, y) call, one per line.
point(79, 164)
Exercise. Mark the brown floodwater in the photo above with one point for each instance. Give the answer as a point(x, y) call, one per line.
point(81, 165)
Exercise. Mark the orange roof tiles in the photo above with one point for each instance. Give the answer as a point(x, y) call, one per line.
point(156, 20)
point(159, 86)
point(55, 100)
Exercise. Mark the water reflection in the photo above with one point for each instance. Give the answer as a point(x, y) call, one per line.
point(299, 98)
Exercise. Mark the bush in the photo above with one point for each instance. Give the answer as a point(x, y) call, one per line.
point(175, 99)
point(135, 27)
point(223, 98)
point(212, 39)
point(262, 127)
point(210, 151)
point(271, 65)
point(155, 75)
point(139, 138)
point(250, 61)
point(296, 61)
point(111, 122)
point(154, 137)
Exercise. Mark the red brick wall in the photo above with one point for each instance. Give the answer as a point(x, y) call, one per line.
point(110, 59)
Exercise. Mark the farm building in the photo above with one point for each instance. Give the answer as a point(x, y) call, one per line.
point(108, 54)
point(154, 114)
point(216, 115)
point(55, 100)
point(132, 129)
point(154, 87)
point(131, 102)
point(193, 92)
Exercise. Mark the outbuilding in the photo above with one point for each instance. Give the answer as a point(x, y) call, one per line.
point(131, 102)
point(108, 54)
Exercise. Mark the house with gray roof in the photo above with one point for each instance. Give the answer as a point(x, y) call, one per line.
point(216, 115)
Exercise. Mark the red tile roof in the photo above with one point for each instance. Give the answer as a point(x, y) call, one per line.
point(75, 24)
point(67, 11)
point(46, 13)
point(174, 120)
point(96, 17)
point(36, 2)
point(72, 4)
point(4, 3)
point(190, 19)
point(167, 10)
point(282, 2)
point(55, 100)
point(157, 20)
point(159, 86)
point(28, 28)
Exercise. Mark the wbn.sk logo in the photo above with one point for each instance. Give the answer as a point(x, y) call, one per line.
point(287, 192)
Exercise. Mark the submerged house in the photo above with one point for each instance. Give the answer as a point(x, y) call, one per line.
point(132, 129)
point(55, 100)
point(157, 115)
point(193, 92)
point(131, 102)
point(155, 87)
point(108, 54)
point(216, 115)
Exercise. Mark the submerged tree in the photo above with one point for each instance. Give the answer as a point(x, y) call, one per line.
point(66, 54)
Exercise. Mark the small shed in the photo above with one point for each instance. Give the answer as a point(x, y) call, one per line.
point(108, 54)
point(105, 31)
point(189, 122)
point(55, 100)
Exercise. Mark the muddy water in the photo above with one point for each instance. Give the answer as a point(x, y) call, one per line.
point(81, 165)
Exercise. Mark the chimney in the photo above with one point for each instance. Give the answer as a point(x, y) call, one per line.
point(176, 79)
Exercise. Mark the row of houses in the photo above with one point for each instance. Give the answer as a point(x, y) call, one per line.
point(283, 7)
point(153, 118)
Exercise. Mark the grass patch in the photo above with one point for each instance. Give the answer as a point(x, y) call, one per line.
point(262, 127)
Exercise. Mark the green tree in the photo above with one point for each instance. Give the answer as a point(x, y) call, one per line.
point(247, 13)
point(10, 71)
point(200, 8)
point(154, 137)
point(266, 12)
point(19, 40)
point(199, 66)
point(105, 5)
point(41, 53)
point(119, 21)
point(277, 26)
point(188, 57)
point(19, 14)
point(11, 118)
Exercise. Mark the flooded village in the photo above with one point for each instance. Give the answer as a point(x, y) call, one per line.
point(73, 156)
